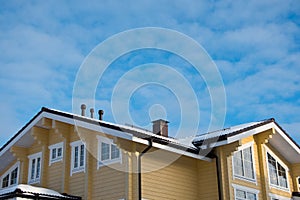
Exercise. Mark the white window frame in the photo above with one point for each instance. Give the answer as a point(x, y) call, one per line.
point(275, 196)
point(57, 158)
point(32, 157)
point(8, 172)
point(246, 189)
point(78, 168)
point(282, 164)
point(298, 183)
point(248, 145)
point(108, 161)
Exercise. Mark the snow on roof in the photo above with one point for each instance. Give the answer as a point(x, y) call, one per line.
point(129, 128)
point(227, 131)
point(31, 190)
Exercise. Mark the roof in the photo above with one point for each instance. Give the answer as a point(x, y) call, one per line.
point(223, 134)
point(31, 192)
point(281, 141)
point(185, 146)
point(24, 139)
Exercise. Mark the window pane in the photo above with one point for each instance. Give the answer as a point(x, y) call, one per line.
point(238, 163)
point(5, 181)
point(104, 151)
point(76, 157)
point(115, 152)
point(14, 176)
point(38, 167)
point(81, 155)
point(282, 176)
point(32, 169)
point(251, 196)
point(272, 170)
point(249, 172)
point(241, 194)
point(59, 152)
point(53, 153)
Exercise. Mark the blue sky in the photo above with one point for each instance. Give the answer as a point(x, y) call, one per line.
point(255, 45)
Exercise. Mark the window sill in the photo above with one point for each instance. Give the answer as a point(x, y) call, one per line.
point(54, 161)
point(245, 179)
point(77, 170)
point(280, 188)
point(34, 181)
point(108, 162)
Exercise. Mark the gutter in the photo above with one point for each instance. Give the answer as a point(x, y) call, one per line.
point(140, 168)
point(218, 175)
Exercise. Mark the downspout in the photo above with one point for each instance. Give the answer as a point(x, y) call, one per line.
point(140, 168)
point(218, 175)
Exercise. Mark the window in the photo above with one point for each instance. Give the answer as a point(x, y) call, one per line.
point(77, 157)
point(108, 152)
point(243, 165)
point(277, 173)
point(34, 170)
point(245, 193)
point(56, 152)
point(10, 177)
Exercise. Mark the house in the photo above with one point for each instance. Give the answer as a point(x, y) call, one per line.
point(60, 155)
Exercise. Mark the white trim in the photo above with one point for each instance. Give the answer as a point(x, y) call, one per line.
point(268, 150)
point(9, 171)
point(110, 142)
point(31, 157)
point(246, 189)
point(250, 132)
point(298, 183)
point(56, 146)
point(278, 197)
point(247, 145)
point(171, 149)
point(79, 168)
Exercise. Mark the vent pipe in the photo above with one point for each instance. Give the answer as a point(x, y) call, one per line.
point(83, 107)
point(92, 112)
point(101, 112)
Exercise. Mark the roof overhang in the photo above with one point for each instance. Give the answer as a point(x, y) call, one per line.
point(281, 141)
point(24, 139)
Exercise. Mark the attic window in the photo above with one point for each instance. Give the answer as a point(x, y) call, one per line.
point(56, 152)
point(277, 172)
point(108, 152)
point(34, 170)
point(78, 157)
point(10, 177)
point(243, 164)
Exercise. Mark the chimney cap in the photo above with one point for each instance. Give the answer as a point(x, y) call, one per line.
point(160, 120)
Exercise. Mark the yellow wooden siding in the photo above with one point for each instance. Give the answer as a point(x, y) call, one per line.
point(76, 184)
point(177, 180)
point(54, 176)
point(207, 180)
point(108, 182)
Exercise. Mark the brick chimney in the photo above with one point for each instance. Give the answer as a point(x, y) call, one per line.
point(160, 127)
